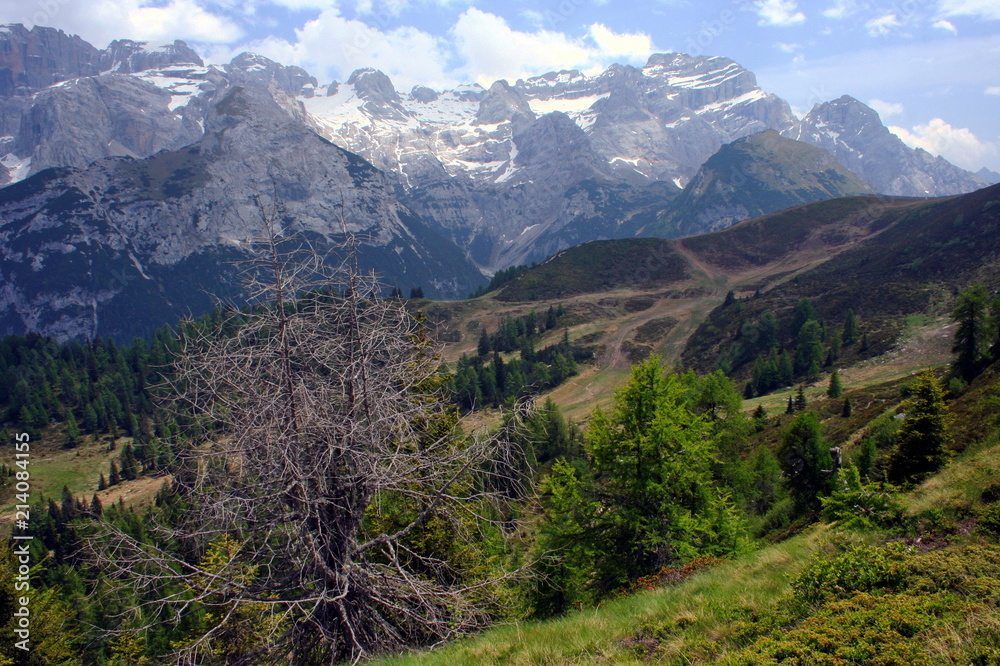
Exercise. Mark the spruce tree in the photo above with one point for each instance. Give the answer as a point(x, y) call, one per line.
point(923, 437)
point(850, 329)
point(848, 409)
point(115, 478)
point(800, 399)
point(483, 348)
point(806, 461)
point(72, 432)
point(835, 389)
point(972, 335)
point(809, 348)
point(96, 508)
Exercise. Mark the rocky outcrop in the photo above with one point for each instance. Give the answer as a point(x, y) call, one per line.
point(504, 104)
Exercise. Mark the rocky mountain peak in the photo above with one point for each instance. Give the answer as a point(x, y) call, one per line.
point(34, 59)
point(502, 103)
point(374, 86)
point(846, 112)
point(424, 95)
point(381, 98)
point(253, 67)
point(853, 133)
point(126, 56)
point(986, 175)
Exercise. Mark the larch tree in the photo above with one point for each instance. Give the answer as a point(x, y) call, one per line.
point(648, 498)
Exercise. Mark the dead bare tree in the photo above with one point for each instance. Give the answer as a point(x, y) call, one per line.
point(331, 450)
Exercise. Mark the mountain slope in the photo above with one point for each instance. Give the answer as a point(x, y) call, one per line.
point(920, 254)
point(753, 176)
point(126, 245)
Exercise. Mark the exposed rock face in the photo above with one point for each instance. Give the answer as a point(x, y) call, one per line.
point(34, 59)
point(250, 67)
point(853, 133)
point(125, 115)
point(126, 245)
point(125, 56)
point(504, 104)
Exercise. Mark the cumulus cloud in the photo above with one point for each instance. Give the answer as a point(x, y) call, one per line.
point(778, 12)
point(993, 90)
point(332, 46)
point(392, 8)
point(886, 109)
point(627, 45)
point(841, 9)
point(983, 9)
point(945, 25)
point(787, 48)
point(956, 144)
point(101, 22)
point(490, 49)
point(883, 25)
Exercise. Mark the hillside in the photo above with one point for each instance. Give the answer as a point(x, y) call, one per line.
point(917, 588)
point(922, 253)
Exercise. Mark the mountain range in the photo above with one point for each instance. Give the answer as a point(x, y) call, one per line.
point(143, 161)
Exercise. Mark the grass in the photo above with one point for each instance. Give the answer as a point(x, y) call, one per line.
point(683, 616)
point(54, 467)
point(960, 482)
point(738, 613)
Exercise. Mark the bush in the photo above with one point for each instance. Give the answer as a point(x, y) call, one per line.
point(863, 506)
point(858, 569)
point(989, 522)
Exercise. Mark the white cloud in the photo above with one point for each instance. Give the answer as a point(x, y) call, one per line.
point(332, 46)
point(983, 9)
point(101, 22)
point(390, 8)
point(886, 109)
point(778, 12)
point(882, 25)
point(627, 45)
point(956, 144)
point(303, 4)
point(993, 90)
point(841, 9)
point(490, 49)
point(787, 48)
point(945, 25)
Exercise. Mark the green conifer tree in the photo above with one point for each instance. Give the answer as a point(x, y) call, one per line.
point(923, 438)
point(835, 389)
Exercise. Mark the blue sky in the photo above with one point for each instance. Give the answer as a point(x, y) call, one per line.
point(930, 67)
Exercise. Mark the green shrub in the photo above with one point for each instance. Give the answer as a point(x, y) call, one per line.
point(858, 569)
point(863, 506)
point(989, 521)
